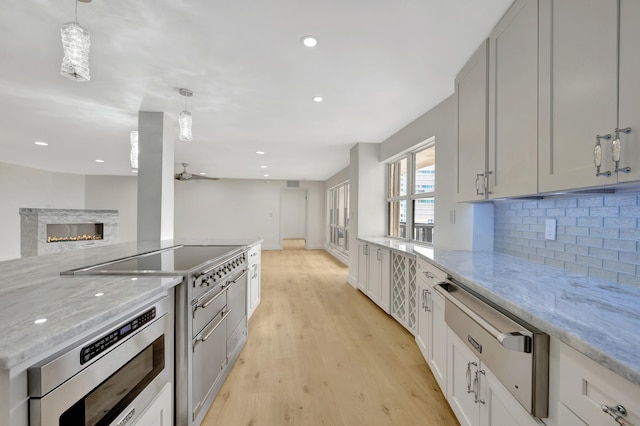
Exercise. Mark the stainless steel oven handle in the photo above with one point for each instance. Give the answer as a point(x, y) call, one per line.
point(513, 340)
point(199, 303)
point(235, 280)
point(204, 336)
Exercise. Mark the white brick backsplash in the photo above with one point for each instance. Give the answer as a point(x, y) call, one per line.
point(598, 236)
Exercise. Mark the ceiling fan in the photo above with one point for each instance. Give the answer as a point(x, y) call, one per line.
point(185, 175)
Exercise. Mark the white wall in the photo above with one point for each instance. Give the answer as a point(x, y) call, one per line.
point(243, 208)
point(24, 187)
point(115, 192)
point(294, 212)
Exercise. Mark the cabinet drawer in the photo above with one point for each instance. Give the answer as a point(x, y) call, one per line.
point(238, 336)
point(585, 386)
point(429, 273)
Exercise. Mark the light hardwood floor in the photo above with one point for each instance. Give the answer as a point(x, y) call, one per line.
point(321, 353)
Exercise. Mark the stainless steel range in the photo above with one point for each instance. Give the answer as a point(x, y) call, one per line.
point(210, 316)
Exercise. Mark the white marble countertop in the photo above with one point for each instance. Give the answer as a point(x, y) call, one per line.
point(599, 318)
point(31, 288)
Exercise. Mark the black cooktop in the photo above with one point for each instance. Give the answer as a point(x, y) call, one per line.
point(181, 259)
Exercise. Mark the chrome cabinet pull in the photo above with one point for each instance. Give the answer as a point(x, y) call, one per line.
point(476, 386)
point(478, 176)
point(618, 413)
point(597, 155)
point(469, 364)
point(616, 150)
point(203, 337)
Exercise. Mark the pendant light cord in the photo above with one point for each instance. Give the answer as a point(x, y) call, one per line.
point(76, 10)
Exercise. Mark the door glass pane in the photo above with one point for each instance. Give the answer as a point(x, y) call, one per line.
point(425, 170)
point(341, 205)
point(424, 219)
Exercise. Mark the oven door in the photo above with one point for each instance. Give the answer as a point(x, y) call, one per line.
point(110, 380)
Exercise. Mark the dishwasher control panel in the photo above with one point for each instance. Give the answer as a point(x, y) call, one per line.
point(103, 344)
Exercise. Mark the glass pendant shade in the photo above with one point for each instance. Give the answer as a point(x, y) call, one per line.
point(185, 122)
point(134, 149)
point(76, 45)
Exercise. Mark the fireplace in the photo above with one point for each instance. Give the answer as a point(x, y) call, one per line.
point(45, 231)
point(59, 232)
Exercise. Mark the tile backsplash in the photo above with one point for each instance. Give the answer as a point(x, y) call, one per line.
point(597, 235)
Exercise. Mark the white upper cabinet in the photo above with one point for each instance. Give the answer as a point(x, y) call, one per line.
point(578, 92)
point(513, 102)
point(629, 115)
point(471, 95)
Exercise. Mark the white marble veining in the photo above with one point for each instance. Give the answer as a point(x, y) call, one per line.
point(32, 288)
point(598, 318)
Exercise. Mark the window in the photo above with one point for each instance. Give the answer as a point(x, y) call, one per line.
point(411, 195)
point(339, 217)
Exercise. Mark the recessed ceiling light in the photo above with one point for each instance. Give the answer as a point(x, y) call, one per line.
point(99, 161)
point(309, 41)
point(318, 99)
point(263, 167)
point(134, 171)
point(260, 152)
point(99, 294)
point(41, 143)
point(40, 321)
point(134, 279)
point(202, 173)
point(265, 175)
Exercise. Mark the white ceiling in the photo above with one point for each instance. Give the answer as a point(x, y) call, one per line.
point(379, 64)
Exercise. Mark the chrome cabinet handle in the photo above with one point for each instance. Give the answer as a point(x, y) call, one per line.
point(476, 387)
point(244, 272)
point(425, 300)
point(478, 176)
point(469, 364)
point(616, 150)
point(597, 155)
point(618, 413)
point(378, 257)
point(199, 303)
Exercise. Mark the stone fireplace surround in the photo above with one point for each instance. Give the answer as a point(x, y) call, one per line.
point(33, 229)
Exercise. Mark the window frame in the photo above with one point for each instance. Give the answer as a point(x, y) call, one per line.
point(334, 217)
point(411, 196)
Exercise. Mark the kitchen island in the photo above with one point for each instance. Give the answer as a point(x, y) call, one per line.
point(43, 313)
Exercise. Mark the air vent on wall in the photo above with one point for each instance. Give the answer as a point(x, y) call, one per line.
point(293, 184)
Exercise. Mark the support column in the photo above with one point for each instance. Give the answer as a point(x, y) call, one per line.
point(155, 176)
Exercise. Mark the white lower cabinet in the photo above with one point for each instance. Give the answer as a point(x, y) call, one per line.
point(431, 336)
point(253, 280)
point(586, 387)
point(159, 412)
point(374, 273)
point(475, 395)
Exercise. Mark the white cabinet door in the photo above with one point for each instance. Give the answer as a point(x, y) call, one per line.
point(499, 407)
point(374, 278)
point(513, 102)
point(254, 278)
point(159, 412)
point(462, 367)
point(363, 266)
point(384, 263)
point(578, 91)
point(424, 318)
point(629, 89)
point(471, 96)
point(437, 354)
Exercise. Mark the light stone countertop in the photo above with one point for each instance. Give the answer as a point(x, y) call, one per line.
point(32, 288)
point(598, 318)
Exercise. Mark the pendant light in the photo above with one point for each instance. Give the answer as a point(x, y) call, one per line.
point(184, 119)
point(76, 45)
point(134, 149)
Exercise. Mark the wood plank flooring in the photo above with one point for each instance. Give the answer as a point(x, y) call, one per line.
point(321, 353)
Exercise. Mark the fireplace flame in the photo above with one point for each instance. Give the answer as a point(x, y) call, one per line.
point(83, 237)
